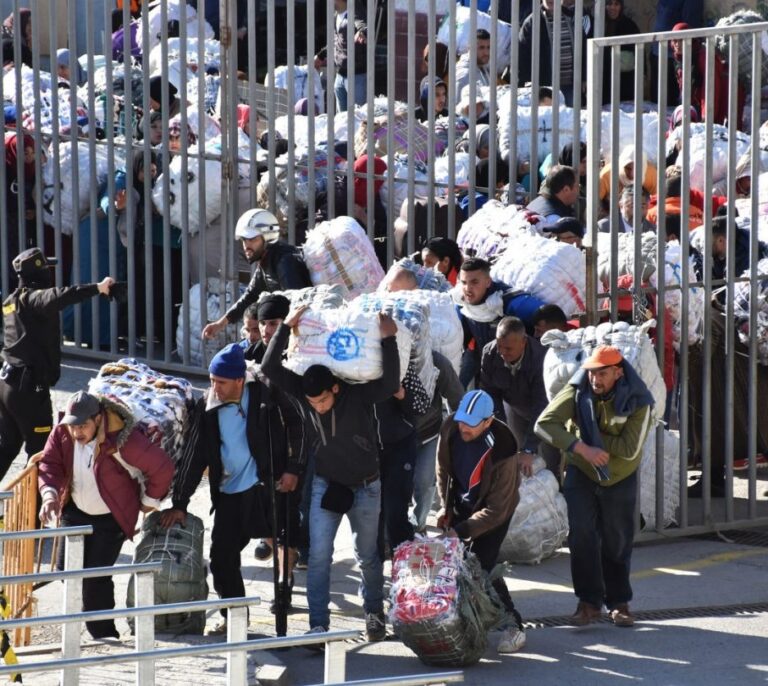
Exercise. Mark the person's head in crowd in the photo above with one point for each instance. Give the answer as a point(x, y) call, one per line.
point(361, 182)
point(720, 226)
point(227, 373)
point(677, 45)
point(82, 417)
point(546, 96)
point(511, 339)
point(272, 308)
point(475, 280)
point(304, 107)
point(673, 182)
point(281, 145)
point(250, 328)
point(12, 155)
point(155, 120)
point(65, 64)
point(672, 226)
point(138, 170)
point(604, 368)
point(549, 6)
point(613, 10)
point(483, 175)
point(440, 91)
point(157, 101)
point(25, 21)
point(677, 116)
point(464, 108)
point(244, 118)
point(562, 183)
point(441, 60)
point(474, 415)
point(33, 268)
point(483, 46)
point(444, 255)
point(547, 318)
point(627, 165)
point(627, 204)
point(8, 53)
point(255, 228)
point(175, 143)
point(320, 388)
point(567, 230)
point(9, 110)
point(401, 279)
point(566, 158)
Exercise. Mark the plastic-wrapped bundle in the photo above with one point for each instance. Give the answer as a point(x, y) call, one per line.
point(173, 13)
point(741, 310)
point(444, 325)
point(524, 96)
point(202, 350)
point(737, 18)
point(338, 252)
point(399, 179)
point(544, 129)
point(87, 177)
point(673, 299)
point(188, 57)
point(346, 341)
point(702, 154)
point(380, 131)
point(321, 297)
point(300, 84)
point(427, 279)
point(459, 172)
point(484, 21)
point(627, 133)
point(550, 270)
point(488, 232)
point(647, 483)
point(411, 313)
point(212, 193)
point(625, 250)
point(568, 349)
point(159, 403)
point(539, 525)
point(440, 608)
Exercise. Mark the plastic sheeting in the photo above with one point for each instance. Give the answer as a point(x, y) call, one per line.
point(484, 21)
point(490, 230)
point(445, 325)
point(300, 84)
point(427, 279)
point(741, 305)
point(544, 129)
point(671, 479)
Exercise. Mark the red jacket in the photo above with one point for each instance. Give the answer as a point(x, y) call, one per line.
point(119, 490)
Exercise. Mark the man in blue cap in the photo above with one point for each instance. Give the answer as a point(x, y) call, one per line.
point(478, 479)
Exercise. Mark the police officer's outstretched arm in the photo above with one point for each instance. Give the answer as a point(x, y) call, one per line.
point(57, 299)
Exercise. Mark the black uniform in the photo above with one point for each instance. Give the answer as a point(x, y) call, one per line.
point(31, 355)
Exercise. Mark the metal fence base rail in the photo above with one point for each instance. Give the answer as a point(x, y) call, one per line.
point(409, 680)
point(90, 573)
point(45, 533)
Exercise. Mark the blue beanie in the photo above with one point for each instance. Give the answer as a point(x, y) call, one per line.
point(228, 363)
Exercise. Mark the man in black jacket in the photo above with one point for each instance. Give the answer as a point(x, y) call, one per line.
point(346, 477)
point(32, 353)
point(279, 266)
point(239, 432)
point(557, 197)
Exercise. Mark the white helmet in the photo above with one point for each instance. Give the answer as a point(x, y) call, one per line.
point(257, 222)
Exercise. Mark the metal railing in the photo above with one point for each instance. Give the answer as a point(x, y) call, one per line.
point(409, 680)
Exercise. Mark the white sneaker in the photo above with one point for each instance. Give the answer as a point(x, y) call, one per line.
point(512, 640)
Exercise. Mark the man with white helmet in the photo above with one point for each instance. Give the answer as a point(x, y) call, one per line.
point(279, 266)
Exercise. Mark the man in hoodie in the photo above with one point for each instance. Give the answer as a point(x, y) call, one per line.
point(346, 479)
point(88, 476)
point(600, 419)
point(248, 443)
point(440, 90)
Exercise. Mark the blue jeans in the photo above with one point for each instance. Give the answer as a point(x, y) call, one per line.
point(341, 90)
point(323, 525)
point(424, 483)
point(602, 529)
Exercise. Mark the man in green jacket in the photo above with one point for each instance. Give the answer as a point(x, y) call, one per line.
point(600, 420)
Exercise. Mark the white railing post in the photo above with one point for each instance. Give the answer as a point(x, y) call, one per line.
point(237, 631)
point(73, 593)
point(145, 628)
point(335, 662)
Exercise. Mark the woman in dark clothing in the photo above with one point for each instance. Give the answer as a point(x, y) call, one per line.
point(619, 24)
point(25, 19)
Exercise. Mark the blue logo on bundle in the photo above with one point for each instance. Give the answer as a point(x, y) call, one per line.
point(343, 345)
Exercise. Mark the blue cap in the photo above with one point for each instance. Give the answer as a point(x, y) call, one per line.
point(120, 180)
point(475, 407)
point(10, 114)
point(228, 363)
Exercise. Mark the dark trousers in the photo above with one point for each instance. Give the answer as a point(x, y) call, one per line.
point(397, 462)
point(26, 417)
point(602, 528)
point(102, 548)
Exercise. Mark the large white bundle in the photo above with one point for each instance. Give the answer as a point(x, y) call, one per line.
point(544, 128)
point(625, 250)
point(444, 324)
point(740, 17)
point(702, 154)
point(411, 313)
point(524, 96)
point(484, 21)
point(347, 341)
point(202, 350)
point(626, 122)
point(324, 296)
point(300, 84)
point(540, 523)
point(192, 221)
point(72, 209)
point(553, 271)
point(741, 304)
point(444, 172)
point(339, 252)
point(173, 13)
point(399, 181)
point(488, 231)
point(673, 299)
point(426, 279)
point(188, 54)
point(568, 349)
point(671, 479)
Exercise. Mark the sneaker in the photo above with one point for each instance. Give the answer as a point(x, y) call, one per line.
point(375, 626)
point(586, 613)
point(218, 629)
point(316, 647)
point(743, 464)
point(621, 616)
point(512, 640)
point(302, 561)
point(263, 550)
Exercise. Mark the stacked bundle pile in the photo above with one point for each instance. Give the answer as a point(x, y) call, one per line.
point(671, 479)
point(741, 311)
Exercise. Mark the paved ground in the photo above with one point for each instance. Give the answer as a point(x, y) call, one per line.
point(703, 608)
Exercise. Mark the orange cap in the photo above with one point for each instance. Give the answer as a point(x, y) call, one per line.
point(603, 356)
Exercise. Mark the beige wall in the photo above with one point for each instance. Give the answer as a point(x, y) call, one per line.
point(643, 12)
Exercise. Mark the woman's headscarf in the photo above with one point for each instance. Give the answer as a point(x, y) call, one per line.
point(25, 19)
point(12, 155)
point(361, 183)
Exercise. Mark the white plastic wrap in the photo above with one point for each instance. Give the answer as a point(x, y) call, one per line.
point(300, 84)
point(568, 349)
point(553, 271)
point(488, 232)
point(540, 523)
point(347, 341)
point(444, 324)
point(464, 39)
point(398, 181)
point(673, 298)
point(627, 133)
point(339, 252)
point(741, 311)
point(211, 54)
point(544, 128)
point(444, 172)
point(319, 297)
point(625, 250)
point(173, 13)
point(647, 483)
point(426, 279)
point(741, 17)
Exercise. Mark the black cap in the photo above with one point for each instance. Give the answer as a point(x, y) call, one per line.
point(30, 263)
point(566, 225)
point(80, 408)
point(273, 306)
point(317, 380)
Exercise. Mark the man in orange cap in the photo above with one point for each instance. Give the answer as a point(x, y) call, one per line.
point(600, 419)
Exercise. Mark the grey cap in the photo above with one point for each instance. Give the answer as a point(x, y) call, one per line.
point(80, 408)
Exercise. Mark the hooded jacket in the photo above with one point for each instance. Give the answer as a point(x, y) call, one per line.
point(122, 491)
point(422, 112)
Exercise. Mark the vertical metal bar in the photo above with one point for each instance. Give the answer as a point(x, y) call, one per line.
point(535, 73)
point(492, 105)
point(112, 218)
point(335, 662)
point(237, 631)
point(77, 276)
point(411, 238)
point(166, 247)
point(330, 107)
point(370, 189)
point(613, 197)
point(291, 59)
point(55, 152)
point(431, 72)
point(311, 90)
point(271, 112)
point(351, 104)
point(74, 553)
point(184, 152)
point(145, 627)
point(201, 178)
point(593, 179)
point(252, 123)
point(514, 79)
point(36, 200)
point(557, 38)
point(392, 211)
point(149, 266)
point(451, 192)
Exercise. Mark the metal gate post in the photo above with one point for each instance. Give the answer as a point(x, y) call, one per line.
point(335, 662)
point(145, 628)
point(73, 592)
point(237, 631)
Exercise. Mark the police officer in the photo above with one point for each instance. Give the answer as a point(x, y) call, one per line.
point(32, 353)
